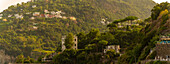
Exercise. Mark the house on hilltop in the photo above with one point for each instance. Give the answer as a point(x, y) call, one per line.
point(33, 0)
point(112, 47)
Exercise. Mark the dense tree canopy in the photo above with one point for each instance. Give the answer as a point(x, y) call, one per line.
point(69, 41)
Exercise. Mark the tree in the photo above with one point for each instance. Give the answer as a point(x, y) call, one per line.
point(130, 18)
point(91, 47)
point(93, 34)
point(158, 8)
point(111, 55)
point(112, 28)
point(69, 41)
point(27, 60)
point(81, 40)
point(82, 57)
point(107, 36)
point(40, 58)
point(103, 43)
point(20, 59)
point(67, 57)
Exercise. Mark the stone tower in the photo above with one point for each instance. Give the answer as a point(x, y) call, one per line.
point(75, 40)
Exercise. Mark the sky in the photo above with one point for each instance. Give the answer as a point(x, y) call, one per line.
point(159, 1)
point(4, 4)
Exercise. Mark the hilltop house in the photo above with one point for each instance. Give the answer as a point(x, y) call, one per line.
point(53, 13)
point(1, 15)
point(34, 6)
point(36, 13)
point(28, 13)
point(163, 49)
point(128, 23)
point(46, 11)
point(73, 18)
point(33, 0)
point(9, 15)
point(4, 20)
point(104, 21)
point(112, 47)
point(18, 16)
point(32, 18)
point(75, 40)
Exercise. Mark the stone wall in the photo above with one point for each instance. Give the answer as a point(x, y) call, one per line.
point(163, 51)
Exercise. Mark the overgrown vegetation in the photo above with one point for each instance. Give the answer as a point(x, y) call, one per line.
point(40, 34)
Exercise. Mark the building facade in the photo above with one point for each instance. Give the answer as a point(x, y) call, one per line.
point(75, 40)
point(112, 47)
point(163, 49)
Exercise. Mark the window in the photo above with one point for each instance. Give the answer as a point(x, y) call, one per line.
point(75, 39)
point(75, 44)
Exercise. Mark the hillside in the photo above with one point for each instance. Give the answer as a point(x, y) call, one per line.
point(149, 36)
point(39, 25)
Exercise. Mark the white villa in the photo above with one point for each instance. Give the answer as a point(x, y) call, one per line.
point(112, 47)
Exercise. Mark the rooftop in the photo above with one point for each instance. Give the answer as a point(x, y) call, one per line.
point(167, 37)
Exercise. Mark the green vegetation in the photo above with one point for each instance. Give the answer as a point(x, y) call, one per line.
point(69, 41)
point(157, 62)
point(25, 28)
point(149, 36)
point(21, 59)
point(91, 46)
point(136, 38)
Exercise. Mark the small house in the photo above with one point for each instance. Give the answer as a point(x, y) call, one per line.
point(73, 18)
point(103, 22)
point(112, 47)
point(46, 11)
point(53, 13)
point(1, 15)
point(33, 0)
point(9, 15)
point(64, 17)
point(28, 13)
point(42, 15)
point(36, 13)
point(32, 18)
point(4, 20)
point(47, 15)
point(34, 6)
point(58, 16)
point(35, 28)
point(18, 16)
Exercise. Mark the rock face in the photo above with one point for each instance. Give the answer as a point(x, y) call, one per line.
point(5, 58)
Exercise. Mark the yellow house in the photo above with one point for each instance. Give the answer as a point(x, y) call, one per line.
point(73, 18)
point(4, 20)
